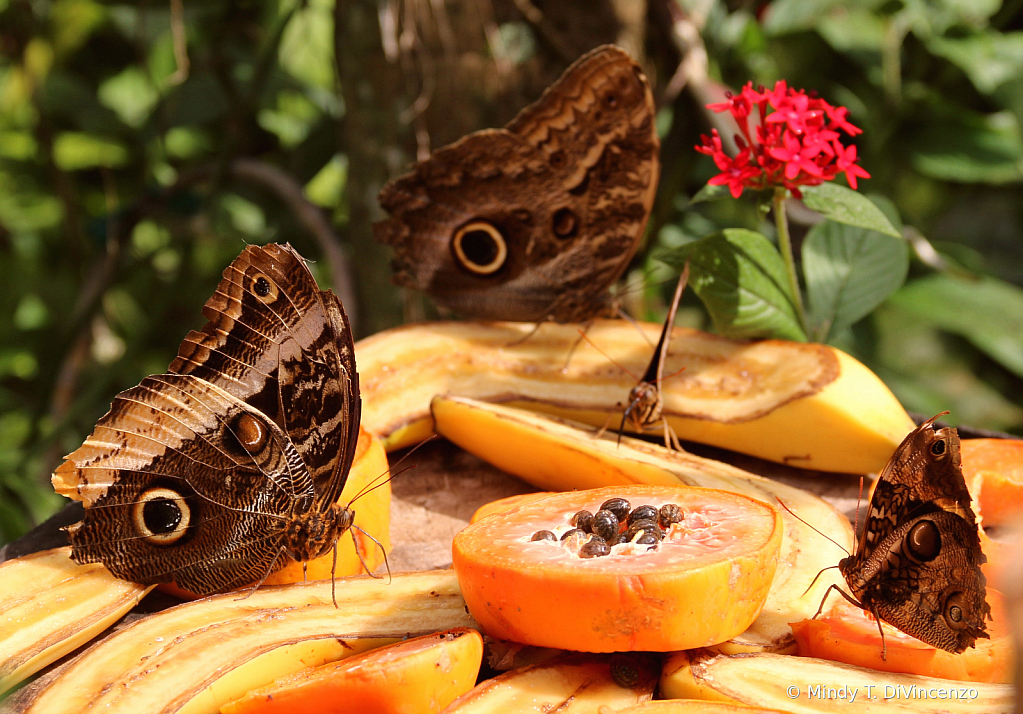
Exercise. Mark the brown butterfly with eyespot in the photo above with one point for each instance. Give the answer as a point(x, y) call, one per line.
point(212, 476)
point(534, 221)
point(917, 564)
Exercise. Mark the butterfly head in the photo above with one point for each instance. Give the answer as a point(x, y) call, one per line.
point(644, 405)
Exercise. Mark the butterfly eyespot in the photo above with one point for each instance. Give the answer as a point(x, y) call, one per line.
point(938, 448)
point(565, 223)
point(264, 288)
point(924, 541)
point(480, 248)
point(161, 516)
point(557, 159)
point(955, 613)
point(251, 432)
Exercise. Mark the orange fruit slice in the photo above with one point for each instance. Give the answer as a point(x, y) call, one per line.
point(994, 472)
point(703, 584)
point(418, 676)
point(848, 634)
point(503, 504)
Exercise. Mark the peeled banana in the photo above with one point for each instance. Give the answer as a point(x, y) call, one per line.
point(50, 606)
point(802, 685)
point(575, 684)
point(197, 656)
point(807, 405)
point(556, 455)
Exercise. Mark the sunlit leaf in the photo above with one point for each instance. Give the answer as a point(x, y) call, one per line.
point(740, 277)
point(73, 151)
point(131, 95)
point(843, 205)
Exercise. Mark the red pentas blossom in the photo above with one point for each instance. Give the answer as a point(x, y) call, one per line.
point(796, 144)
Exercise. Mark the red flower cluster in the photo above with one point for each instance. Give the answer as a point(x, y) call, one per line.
point(795, 145)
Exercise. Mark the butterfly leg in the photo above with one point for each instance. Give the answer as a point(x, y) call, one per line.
point(383, 550)
point(266, 575)
point(516, 343)
point(843, 593)
point(600, 432)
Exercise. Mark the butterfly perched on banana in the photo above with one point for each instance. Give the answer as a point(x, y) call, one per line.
point(219, 472)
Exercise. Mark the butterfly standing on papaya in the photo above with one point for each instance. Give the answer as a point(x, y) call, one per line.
point(213, 475)
point(534, 221)
point(917, 563)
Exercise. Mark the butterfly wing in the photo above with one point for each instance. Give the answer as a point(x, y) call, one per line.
point(917, 565)
point(182, 482)
point(280, 344)
point(536, 220)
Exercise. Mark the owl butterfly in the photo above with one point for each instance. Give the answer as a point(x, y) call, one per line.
point(213, 475)
point(534, 221)
point(645, 403)
point(917, 564)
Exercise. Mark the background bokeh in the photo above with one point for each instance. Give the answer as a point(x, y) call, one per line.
point(143, 144)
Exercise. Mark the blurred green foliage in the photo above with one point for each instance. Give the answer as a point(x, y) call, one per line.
point(119, 208)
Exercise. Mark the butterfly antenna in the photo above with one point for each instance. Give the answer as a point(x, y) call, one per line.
point(632, 321)
point(609, 357)
point(333, 576)
point(390, 473)
point(358, 552)
point(859, 499)
point(817, 531)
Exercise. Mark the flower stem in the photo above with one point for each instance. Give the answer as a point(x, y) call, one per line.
point(782, 224)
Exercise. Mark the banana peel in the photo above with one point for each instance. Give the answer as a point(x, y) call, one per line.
point(200, 655)
point(50, 606)
point(573, 684)
point(807, 405)
point(556, 455)
point(803, 685)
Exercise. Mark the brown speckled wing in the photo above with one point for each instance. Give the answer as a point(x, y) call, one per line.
point(918, 561)
point(534, 221)
point(200, 476)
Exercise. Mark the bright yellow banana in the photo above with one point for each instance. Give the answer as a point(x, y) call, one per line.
point(50, 606)
point(197, 656)
point(555, 455)
point(802, 404)
point(803, 685)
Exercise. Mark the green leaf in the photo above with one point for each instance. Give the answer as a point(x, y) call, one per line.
point(740, 277)
point(988, 58)
point(986, 311)
point(843, 205)
point(131, 95)
point(971, 148)
point(785, 16)
point(74, 150)
point(849, 271)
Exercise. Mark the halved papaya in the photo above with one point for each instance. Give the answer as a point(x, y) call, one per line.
point(705, 582)
point(504, 504)
point(848, 634)
point(417, 676)
point(994, 473)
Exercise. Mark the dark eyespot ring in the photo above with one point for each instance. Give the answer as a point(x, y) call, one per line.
point(565, 223)
point(251, 432)
point(264, 289)
point(923, 541)
point(161, 516)
point(480, 248)
point(955, 613)
point(938, 447)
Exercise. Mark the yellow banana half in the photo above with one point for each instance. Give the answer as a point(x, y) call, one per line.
point(555, 455)
point(50, 606)
point(808, 405)
point(802, 685)
point(197, 656)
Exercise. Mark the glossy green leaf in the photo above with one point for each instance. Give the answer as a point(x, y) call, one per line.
point(740, 277)
point(849, 271)
point(986, 311)
point(843, 205)
point(971, 148)
point(988, 58)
